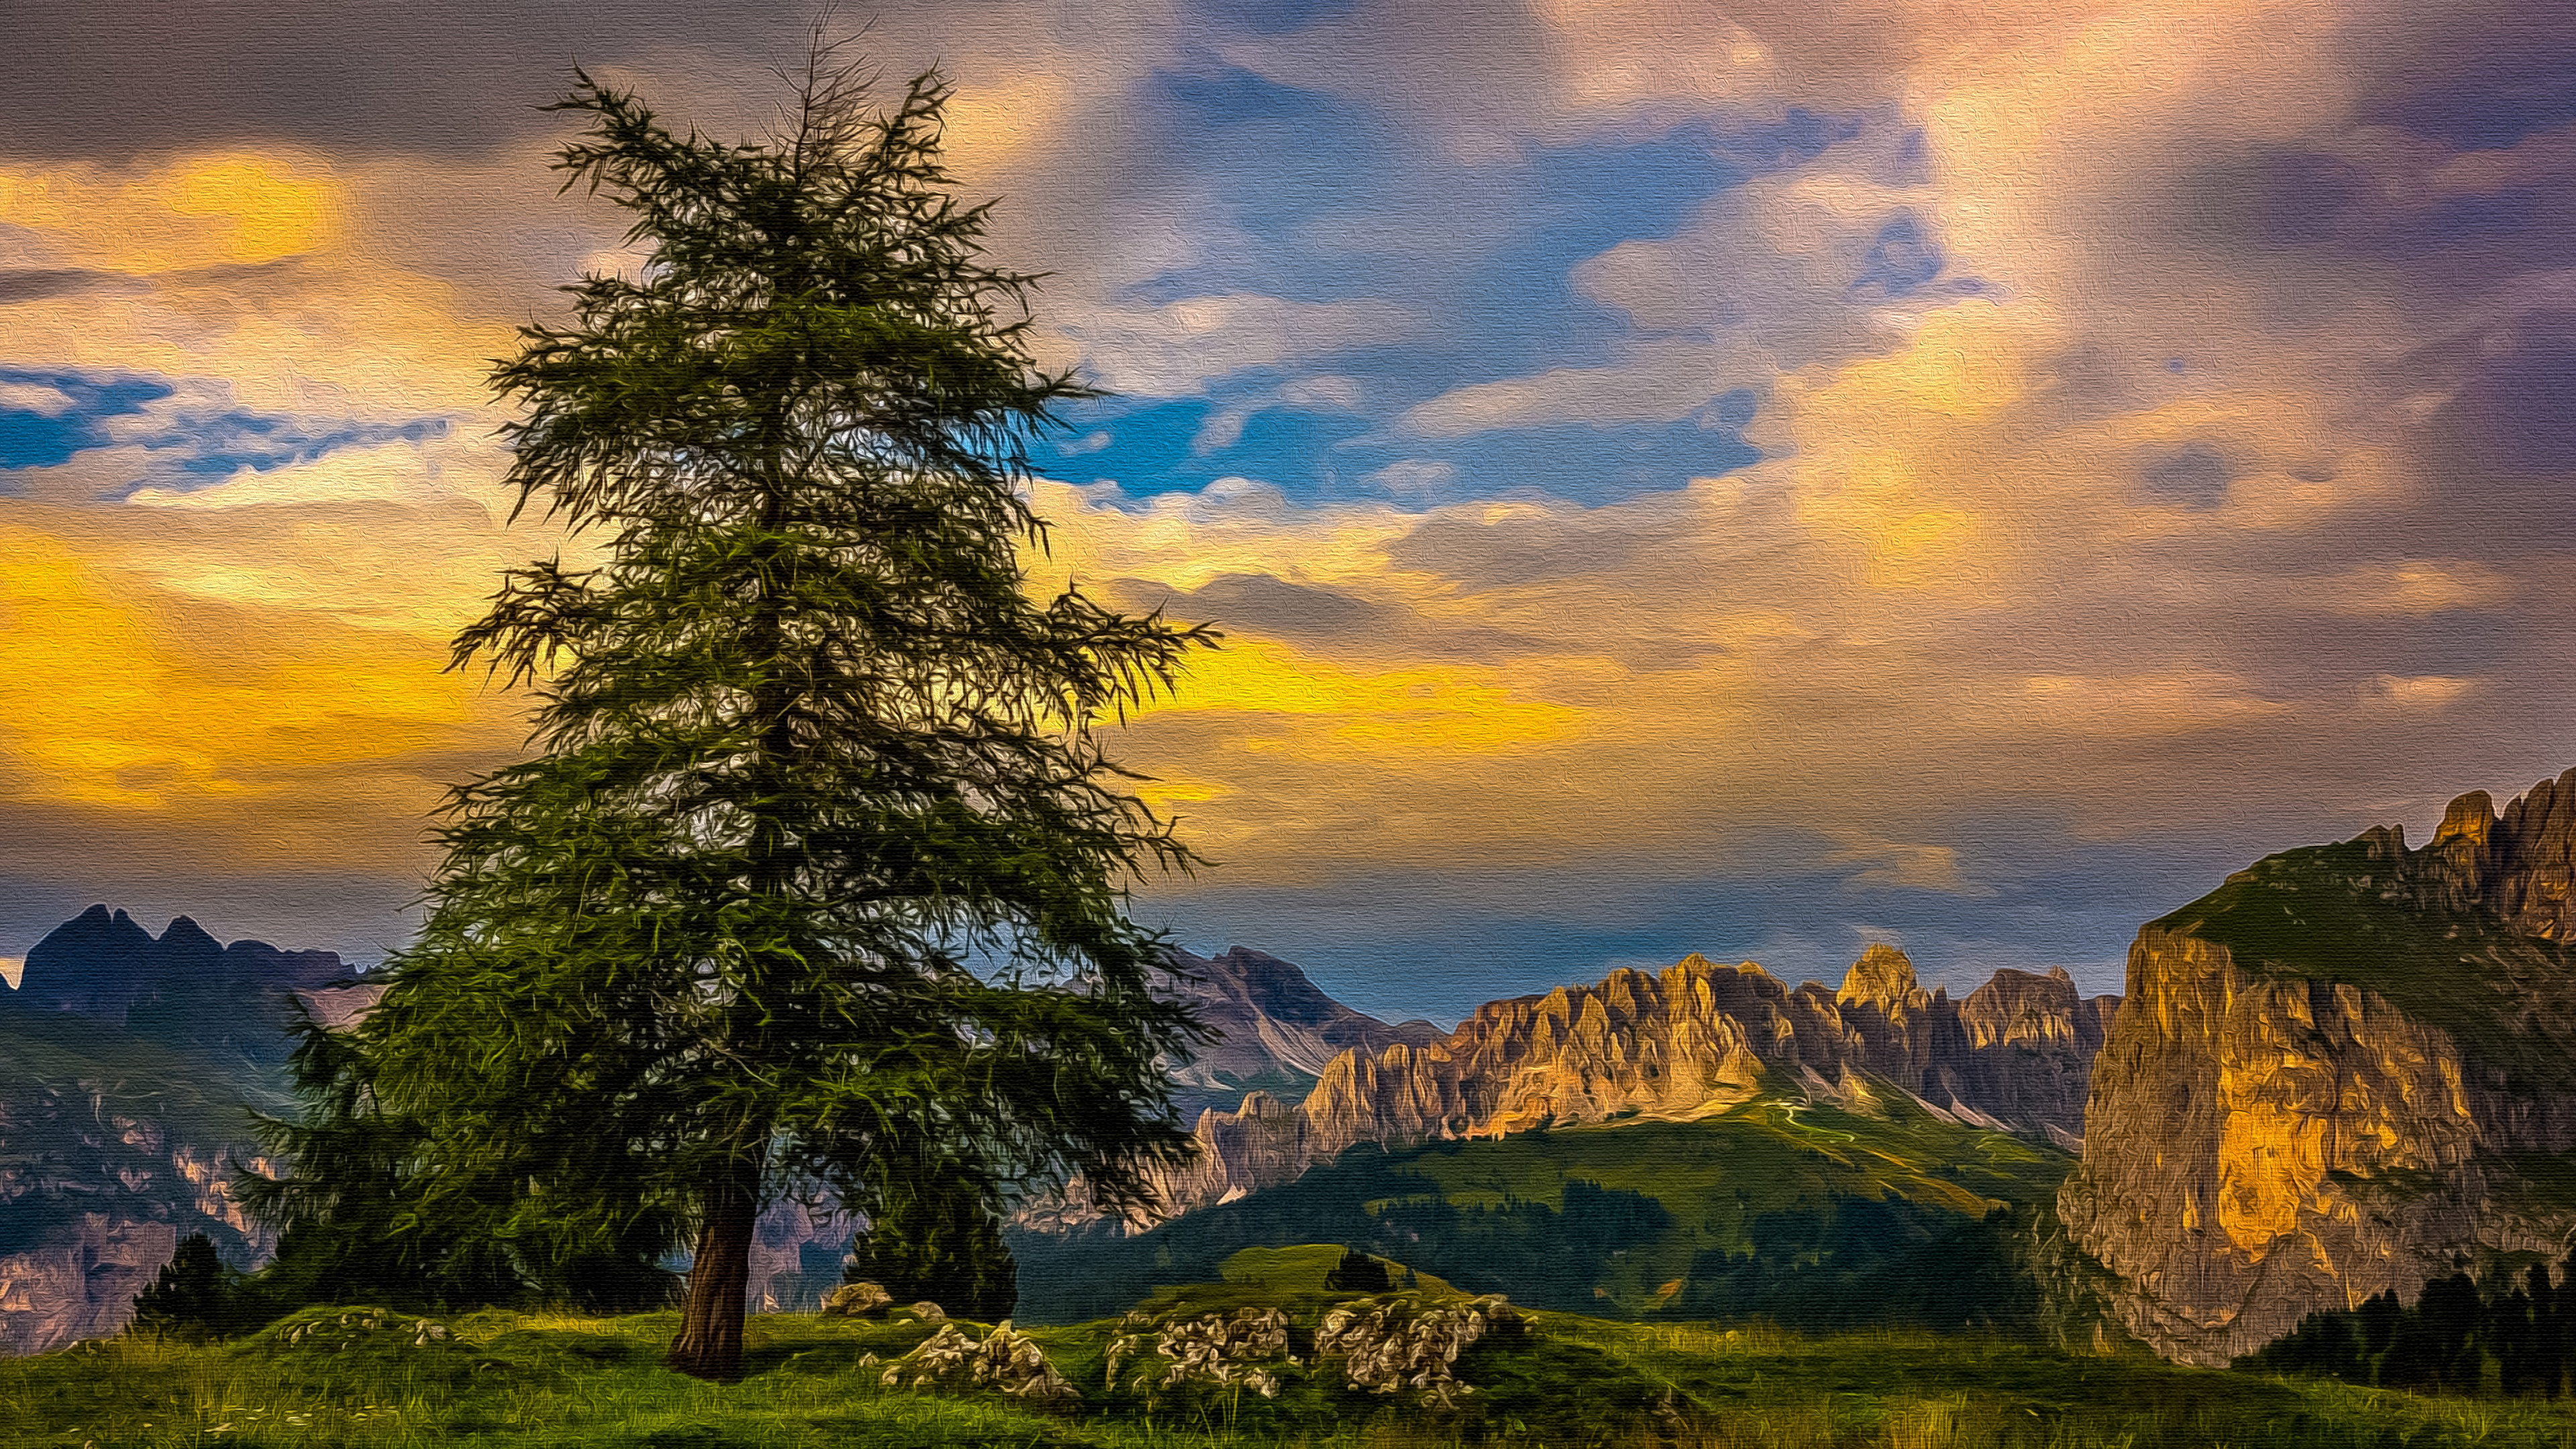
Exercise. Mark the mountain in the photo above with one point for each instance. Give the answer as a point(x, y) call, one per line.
point(1697, 1040)
point(1814, 1216)
point(127, 1064)
point(185, 984)
point(1276, 1030)
point(2347, 1069)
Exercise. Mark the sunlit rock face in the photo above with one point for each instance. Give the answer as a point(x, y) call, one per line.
point(1275, 1030)
point(2331, 1077)
point(1697, 1039)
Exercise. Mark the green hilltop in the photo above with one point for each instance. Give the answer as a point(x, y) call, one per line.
point(1815, 1216)
point(2354, 914)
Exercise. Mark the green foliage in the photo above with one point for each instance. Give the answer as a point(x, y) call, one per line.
point(195, 1295)
point(1812, 1216)
point(926, 1240)
point(2512, 1334)
point(351, 1227)
point(819, 861)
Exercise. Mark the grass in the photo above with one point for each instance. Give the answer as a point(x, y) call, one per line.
point(1494, 1214)
point(364, 1379)
point(2333, 913)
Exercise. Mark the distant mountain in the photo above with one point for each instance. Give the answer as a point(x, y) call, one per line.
point(1276, 1029)
point(127, 1065)
point(2351, 1068)
point(2016, 1055)
point(105, 966)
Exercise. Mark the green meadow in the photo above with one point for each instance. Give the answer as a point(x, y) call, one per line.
point(354, 1378)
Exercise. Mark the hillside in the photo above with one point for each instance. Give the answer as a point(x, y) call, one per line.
point(2345, 1070)
point(2015, 1055)
point(1811, 1215)
point(358, 1378)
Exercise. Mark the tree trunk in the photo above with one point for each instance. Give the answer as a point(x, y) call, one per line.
point(710, 1341)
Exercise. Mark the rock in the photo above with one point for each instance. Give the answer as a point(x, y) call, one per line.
point(858, 1300)
point(2324, 1075)
point(929, 1312)
point(1006, 1361)
point(1248, 1347)
point(1407, 1343)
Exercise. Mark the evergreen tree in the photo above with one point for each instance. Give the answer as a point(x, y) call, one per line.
point(819, 853)
point(1357, 1273)
point(2548, 1354)
point(193, 1295)
point(926, 1239)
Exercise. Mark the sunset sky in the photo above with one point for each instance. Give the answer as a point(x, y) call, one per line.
point(1749, 476)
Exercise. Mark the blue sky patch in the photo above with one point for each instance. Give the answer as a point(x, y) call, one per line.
point(48, 436)
point(214, 446)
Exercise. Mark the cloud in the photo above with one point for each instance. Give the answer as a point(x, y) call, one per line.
point(1178, 348)
point(2430, 693)
point(44, 400)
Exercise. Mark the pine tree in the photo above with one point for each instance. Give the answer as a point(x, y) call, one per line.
point(927, 1240)
point(819, 852)
point(192, 1295)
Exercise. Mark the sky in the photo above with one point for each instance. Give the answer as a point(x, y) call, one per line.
point(1745, 477)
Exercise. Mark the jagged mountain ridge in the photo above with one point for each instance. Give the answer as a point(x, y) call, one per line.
point(1276, 1029)
point(2343, 1071)
point(1698, 1039)
point(106, 966)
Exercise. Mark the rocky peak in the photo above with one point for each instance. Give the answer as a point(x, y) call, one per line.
point(2519, 867)
point(2330, 1074)
point(1883, 977)
point(1276, 1029)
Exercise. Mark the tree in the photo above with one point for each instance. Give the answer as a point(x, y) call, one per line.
point(350, 1226)
point(1357, 1272)
point(819, 851)
point(925, 1239)
point(193, 1295)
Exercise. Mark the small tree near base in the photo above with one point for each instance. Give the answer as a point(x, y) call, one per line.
point(925, 1243)
point(192, 1297)
point(819, 856)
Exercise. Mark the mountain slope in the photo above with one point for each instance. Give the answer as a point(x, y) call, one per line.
point(1812, 1215)
point(128, 1065)
point(1697, 1040)
point(1276, 1029)
point(2347, 1069)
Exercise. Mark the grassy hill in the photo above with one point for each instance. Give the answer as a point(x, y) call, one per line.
point(357, 1379)
point(2341, 914)
point(1816, 1217)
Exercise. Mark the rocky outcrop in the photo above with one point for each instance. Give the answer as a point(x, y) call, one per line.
point(1275, 1029)
point(81, 1283)
point(2330, 1076)
point(1697, 1039)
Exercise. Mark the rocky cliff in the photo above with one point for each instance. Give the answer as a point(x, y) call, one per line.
point(1276, 1030)
point(1697, 1039)
point(2345, 1070)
